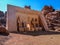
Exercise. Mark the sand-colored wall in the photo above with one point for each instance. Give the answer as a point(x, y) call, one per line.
point(11, 19)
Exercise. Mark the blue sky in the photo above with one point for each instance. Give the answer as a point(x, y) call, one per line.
point(35, 4)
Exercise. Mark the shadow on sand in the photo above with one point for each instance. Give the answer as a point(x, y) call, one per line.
point(4, 34)
point(37, 33)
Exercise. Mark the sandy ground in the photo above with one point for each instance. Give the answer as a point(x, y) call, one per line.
point(3, 39)
point(21, 39)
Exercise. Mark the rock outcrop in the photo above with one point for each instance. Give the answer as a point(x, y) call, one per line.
point(3, 31)
point(53, 19)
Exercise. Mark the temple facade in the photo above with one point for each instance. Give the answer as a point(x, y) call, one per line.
point(24, 19)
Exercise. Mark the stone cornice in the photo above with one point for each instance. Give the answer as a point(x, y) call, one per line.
point(24, 10)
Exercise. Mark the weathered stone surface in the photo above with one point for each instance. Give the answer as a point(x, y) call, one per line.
point(53, 20)
point(3, 31)
point(47, 9)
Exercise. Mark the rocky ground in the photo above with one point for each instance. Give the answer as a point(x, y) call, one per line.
point(41, 38)
point(3, 39)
